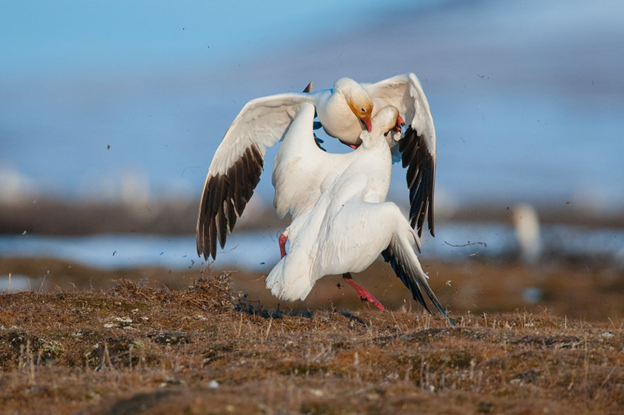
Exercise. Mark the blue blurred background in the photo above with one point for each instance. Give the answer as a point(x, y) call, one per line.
point(116, 101)
point(528, 97)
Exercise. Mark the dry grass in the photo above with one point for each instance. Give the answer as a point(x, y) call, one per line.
point(137, 349)
point(591, 293)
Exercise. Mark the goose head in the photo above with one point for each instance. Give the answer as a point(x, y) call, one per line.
point(386, 120)
point(358, 100)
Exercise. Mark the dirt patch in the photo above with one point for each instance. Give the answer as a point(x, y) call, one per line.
point(140, 349)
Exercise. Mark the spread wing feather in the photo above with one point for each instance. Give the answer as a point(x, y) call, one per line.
point(417, 145)
point(237, 164)
point(401, 256)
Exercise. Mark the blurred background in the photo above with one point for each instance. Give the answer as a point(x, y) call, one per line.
point(110, 113)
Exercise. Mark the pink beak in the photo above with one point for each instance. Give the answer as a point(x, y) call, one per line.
point(400, 123)
point(369, 124)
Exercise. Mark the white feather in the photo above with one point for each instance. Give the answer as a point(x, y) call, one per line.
point(263, 122)
point(347, 226)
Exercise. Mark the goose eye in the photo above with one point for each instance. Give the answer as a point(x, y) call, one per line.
point(362, 109)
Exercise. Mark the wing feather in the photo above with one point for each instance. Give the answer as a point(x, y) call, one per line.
point(237, 164)
point(405, 264)
point(417, 145)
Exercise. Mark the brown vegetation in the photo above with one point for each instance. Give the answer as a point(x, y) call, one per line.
point(590, 293)
point(136, 349)
point(47, 216)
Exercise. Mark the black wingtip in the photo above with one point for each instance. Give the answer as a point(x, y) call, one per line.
point(412, 283)
point(441, 309)
point(420, 179)
point(309, 88)
point(224, 199)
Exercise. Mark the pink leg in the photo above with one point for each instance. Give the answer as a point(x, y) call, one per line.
point(282, 244)
point(363, 293)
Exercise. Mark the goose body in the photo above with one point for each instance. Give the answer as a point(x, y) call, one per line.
point(346, 225)
point(345, 112)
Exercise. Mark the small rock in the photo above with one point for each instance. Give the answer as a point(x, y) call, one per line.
point(213, 384)
point(173, 381)
point(606, 335)
point(372, 396)
point(123, 322)
point(485, 407)
point(317, 392)
point(94, 396)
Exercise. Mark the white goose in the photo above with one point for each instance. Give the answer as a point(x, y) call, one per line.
point(302, 171)
point(346, 225)
point(344, 112)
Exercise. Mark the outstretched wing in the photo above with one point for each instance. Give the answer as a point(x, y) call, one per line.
point(237, 164)
point(418, 144)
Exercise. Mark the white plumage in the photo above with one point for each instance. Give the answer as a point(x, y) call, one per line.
point(302, 171)
point(345, 111)
point(344, 223)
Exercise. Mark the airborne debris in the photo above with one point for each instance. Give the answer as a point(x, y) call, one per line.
point(467, 244)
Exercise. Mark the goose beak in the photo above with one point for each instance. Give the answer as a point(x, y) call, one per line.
point(399, 124)
point(368, 123)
